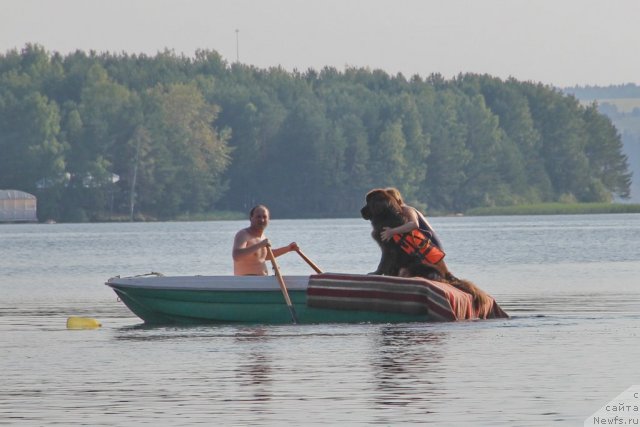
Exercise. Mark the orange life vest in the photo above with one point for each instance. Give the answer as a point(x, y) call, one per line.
point(417, 243)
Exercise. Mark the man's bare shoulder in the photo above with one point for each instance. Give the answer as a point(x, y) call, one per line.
point(242, 236)
point(243, 232)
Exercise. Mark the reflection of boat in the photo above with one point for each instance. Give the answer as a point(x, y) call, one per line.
point(321, 298)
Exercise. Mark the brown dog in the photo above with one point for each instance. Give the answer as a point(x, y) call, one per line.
point(384, 211)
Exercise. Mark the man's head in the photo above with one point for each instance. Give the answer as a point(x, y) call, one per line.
point(259, 217)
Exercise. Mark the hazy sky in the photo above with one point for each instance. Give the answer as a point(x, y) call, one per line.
point(558, 42)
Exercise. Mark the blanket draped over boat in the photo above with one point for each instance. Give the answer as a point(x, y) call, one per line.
point(439, 301)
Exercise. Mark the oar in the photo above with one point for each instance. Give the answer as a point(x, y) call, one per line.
point(283, 287)
point(311, 263)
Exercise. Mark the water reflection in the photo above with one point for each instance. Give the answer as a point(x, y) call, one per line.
point(408, 369)
point(254, 370)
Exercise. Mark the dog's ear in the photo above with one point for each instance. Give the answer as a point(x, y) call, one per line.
point(366, 212)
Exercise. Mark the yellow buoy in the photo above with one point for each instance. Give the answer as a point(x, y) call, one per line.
point(82, 323)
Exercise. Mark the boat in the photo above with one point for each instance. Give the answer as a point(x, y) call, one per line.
point(318, 298)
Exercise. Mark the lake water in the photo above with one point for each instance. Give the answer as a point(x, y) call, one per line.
point(570, 283)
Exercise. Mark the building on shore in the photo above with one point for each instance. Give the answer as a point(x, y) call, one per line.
point(17, 206)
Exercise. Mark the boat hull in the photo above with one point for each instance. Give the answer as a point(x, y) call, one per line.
point(325, 298)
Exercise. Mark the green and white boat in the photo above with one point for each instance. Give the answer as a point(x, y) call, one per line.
point(319, 298)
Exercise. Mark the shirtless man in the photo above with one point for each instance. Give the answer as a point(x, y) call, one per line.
point(250, 245)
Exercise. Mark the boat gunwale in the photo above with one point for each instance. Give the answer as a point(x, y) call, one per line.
point(208, 283)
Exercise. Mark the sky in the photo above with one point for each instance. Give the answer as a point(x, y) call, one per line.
point(556, 42)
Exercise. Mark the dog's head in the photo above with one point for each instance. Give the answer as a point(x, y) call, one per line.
point(379, 202)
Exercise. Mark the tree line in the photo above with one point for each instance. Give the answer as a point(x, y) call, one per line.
point(102, 135)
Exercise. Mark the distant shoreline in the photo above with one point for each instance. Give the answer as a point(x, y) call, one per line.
point(533, 209)
point(557, 209)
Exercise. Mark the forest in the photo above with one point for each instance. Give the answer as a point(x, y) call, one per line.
point(117, 136)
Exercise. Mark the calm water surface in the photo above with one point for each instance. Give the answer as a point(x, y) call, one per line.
point(572, 344)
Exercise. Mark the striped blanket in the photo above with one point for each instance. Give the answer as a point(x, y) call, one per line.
point(437, 301)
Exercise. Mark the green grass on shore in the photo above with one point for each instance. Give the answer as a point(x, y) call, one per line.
point(557, 209)
point(533, 209)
